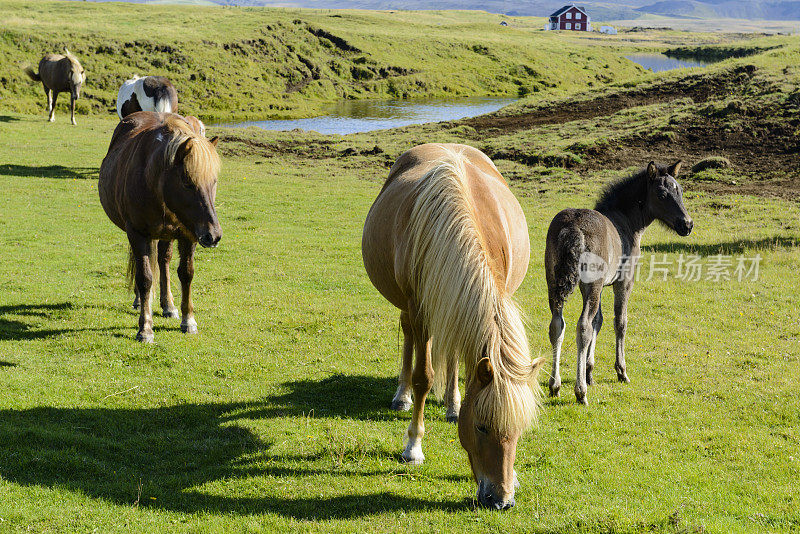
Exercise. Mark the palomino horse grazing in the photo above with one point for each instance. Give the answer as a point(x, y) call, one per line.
point(59, 74)
point(447, 243)
point(158, 182)
point(151, 93)
point(600, 247)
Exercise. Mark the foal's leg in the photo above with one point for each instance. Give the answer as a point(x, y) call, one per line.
point(596, 325)
point(452, 396)
point(142, 250)
point(585, 332)
point(53, 107)
point(402, 398)
point(185, 274)
point(164, 257)
point(622, 290)
point(423, 379)
point(556, 339)
point(72, 109)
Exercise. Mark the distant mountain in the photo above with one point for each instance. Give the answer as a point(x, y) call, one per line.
point(598, 10)
point(734, 9)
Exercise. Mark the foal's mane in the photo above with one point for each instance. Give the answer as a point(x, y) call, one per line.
point(200, 161)
point(465, 312)
point(623, 193)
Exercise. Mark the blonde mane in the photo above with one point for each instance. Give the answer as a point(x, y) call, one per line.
point(466, 313)
point(201, 160)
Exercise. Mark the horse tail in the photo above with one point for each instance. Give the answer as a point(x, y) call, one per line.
point(130, 273)
point(571, 244)
point(32, 74)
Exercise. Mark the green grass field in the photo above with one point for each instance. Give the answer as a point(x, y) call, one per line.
point(275, 416)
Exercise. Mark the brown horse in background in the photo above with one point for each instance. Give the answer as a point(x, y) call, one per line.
point(447, 243)
point(600, 247)
point(59, 74)
point(158, 182)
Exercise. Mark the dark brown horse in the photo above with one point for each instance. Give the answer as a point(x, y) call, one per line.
point(158, 183)
point(59, 74)
point(600, 247)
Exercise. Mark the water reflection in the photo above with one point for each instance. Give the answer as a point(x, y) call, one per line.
point(353, 116)
point(660, 62)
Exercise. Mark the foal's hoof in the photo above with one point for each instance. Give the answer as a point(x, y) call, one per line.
point(623, 378)
point(400, 405)
point(171, 313)
point(452, 418)
point(580, 396)
point(555, 388)
point(145, 337)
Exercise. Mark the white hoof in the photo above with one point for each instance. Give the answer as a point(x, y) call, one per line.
point(145, 337)
point(413, 457)
point(171, 313)
point(189, 326)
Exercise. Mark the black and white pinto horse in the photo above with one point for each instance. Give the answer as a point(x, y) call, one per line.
point(150, 93)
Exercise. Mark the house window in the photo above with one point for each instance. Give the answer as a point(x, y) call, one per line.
point(569, 25)
point(578, 16)
point(569, 15)
point(577, 26)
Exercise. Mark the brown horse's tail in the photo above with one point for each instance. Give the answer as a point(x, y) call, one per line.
point(571, 245)
point(33, 76)
point(131, 270)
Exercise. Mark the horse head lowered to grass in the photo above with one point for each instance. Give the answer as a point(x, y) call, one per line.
point(158, 183)
point(595, 248)
point(59, 74)
point(447, 243)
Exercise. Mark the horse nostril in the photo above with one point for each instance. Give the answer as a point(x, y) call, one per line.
point(509, 504)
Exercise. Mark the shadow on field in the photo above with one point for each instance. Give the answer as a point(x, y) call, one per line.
point(15, 329)
point(738, 246)
point(7, 364)
point(157, 458)
point(8, 118)
point(50, 171)
point(351, 396)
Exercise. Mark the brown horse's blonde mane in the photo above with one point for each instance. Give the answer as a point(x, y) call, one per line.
point(466, 313)
point(200, 161)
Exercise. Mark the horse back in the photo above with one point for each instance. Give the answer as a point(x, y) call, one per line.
point(54, 70)
point(497, 214)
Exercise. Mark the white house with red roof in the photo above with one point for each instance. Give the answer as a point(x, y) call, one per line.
point(570, 17)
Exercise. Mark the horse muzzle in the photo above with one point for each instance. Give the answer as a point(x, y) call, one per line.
point(684, 226)
point(209, 238)
point(488, 499)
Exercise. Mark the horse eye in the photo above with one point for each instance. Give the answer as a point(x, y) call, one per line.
point(482, 429)
point(186, 181)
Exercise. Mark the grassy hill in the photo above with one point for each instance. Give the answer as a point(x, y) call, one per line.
point(230, 63)
point(275, 418)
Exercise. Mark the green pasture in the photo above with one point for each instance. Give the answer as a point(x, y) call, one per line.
point(275, 417)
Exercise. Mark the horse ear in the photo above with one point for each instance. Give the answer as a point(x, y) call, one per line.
point(652, 170)
point(675, 169)
point(537, 364)
point(214, 140)
point(484, 372)
point(183, 151)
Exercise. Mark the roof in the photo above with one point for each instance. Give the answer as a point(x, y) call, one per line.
point(567, 7)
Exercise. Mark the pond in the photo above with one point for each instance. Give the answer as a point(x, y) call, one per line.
point(660, 62)
point(353, 116)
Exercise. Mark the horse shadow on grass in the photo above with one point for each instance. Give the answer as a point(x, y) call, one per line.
point(738, 246)
point(50, 171)
point(161, 457)
point(8, 118)
point(15, 321)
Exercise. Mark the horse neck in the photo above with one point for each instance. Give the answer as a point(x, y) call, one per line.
point(630, 219)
